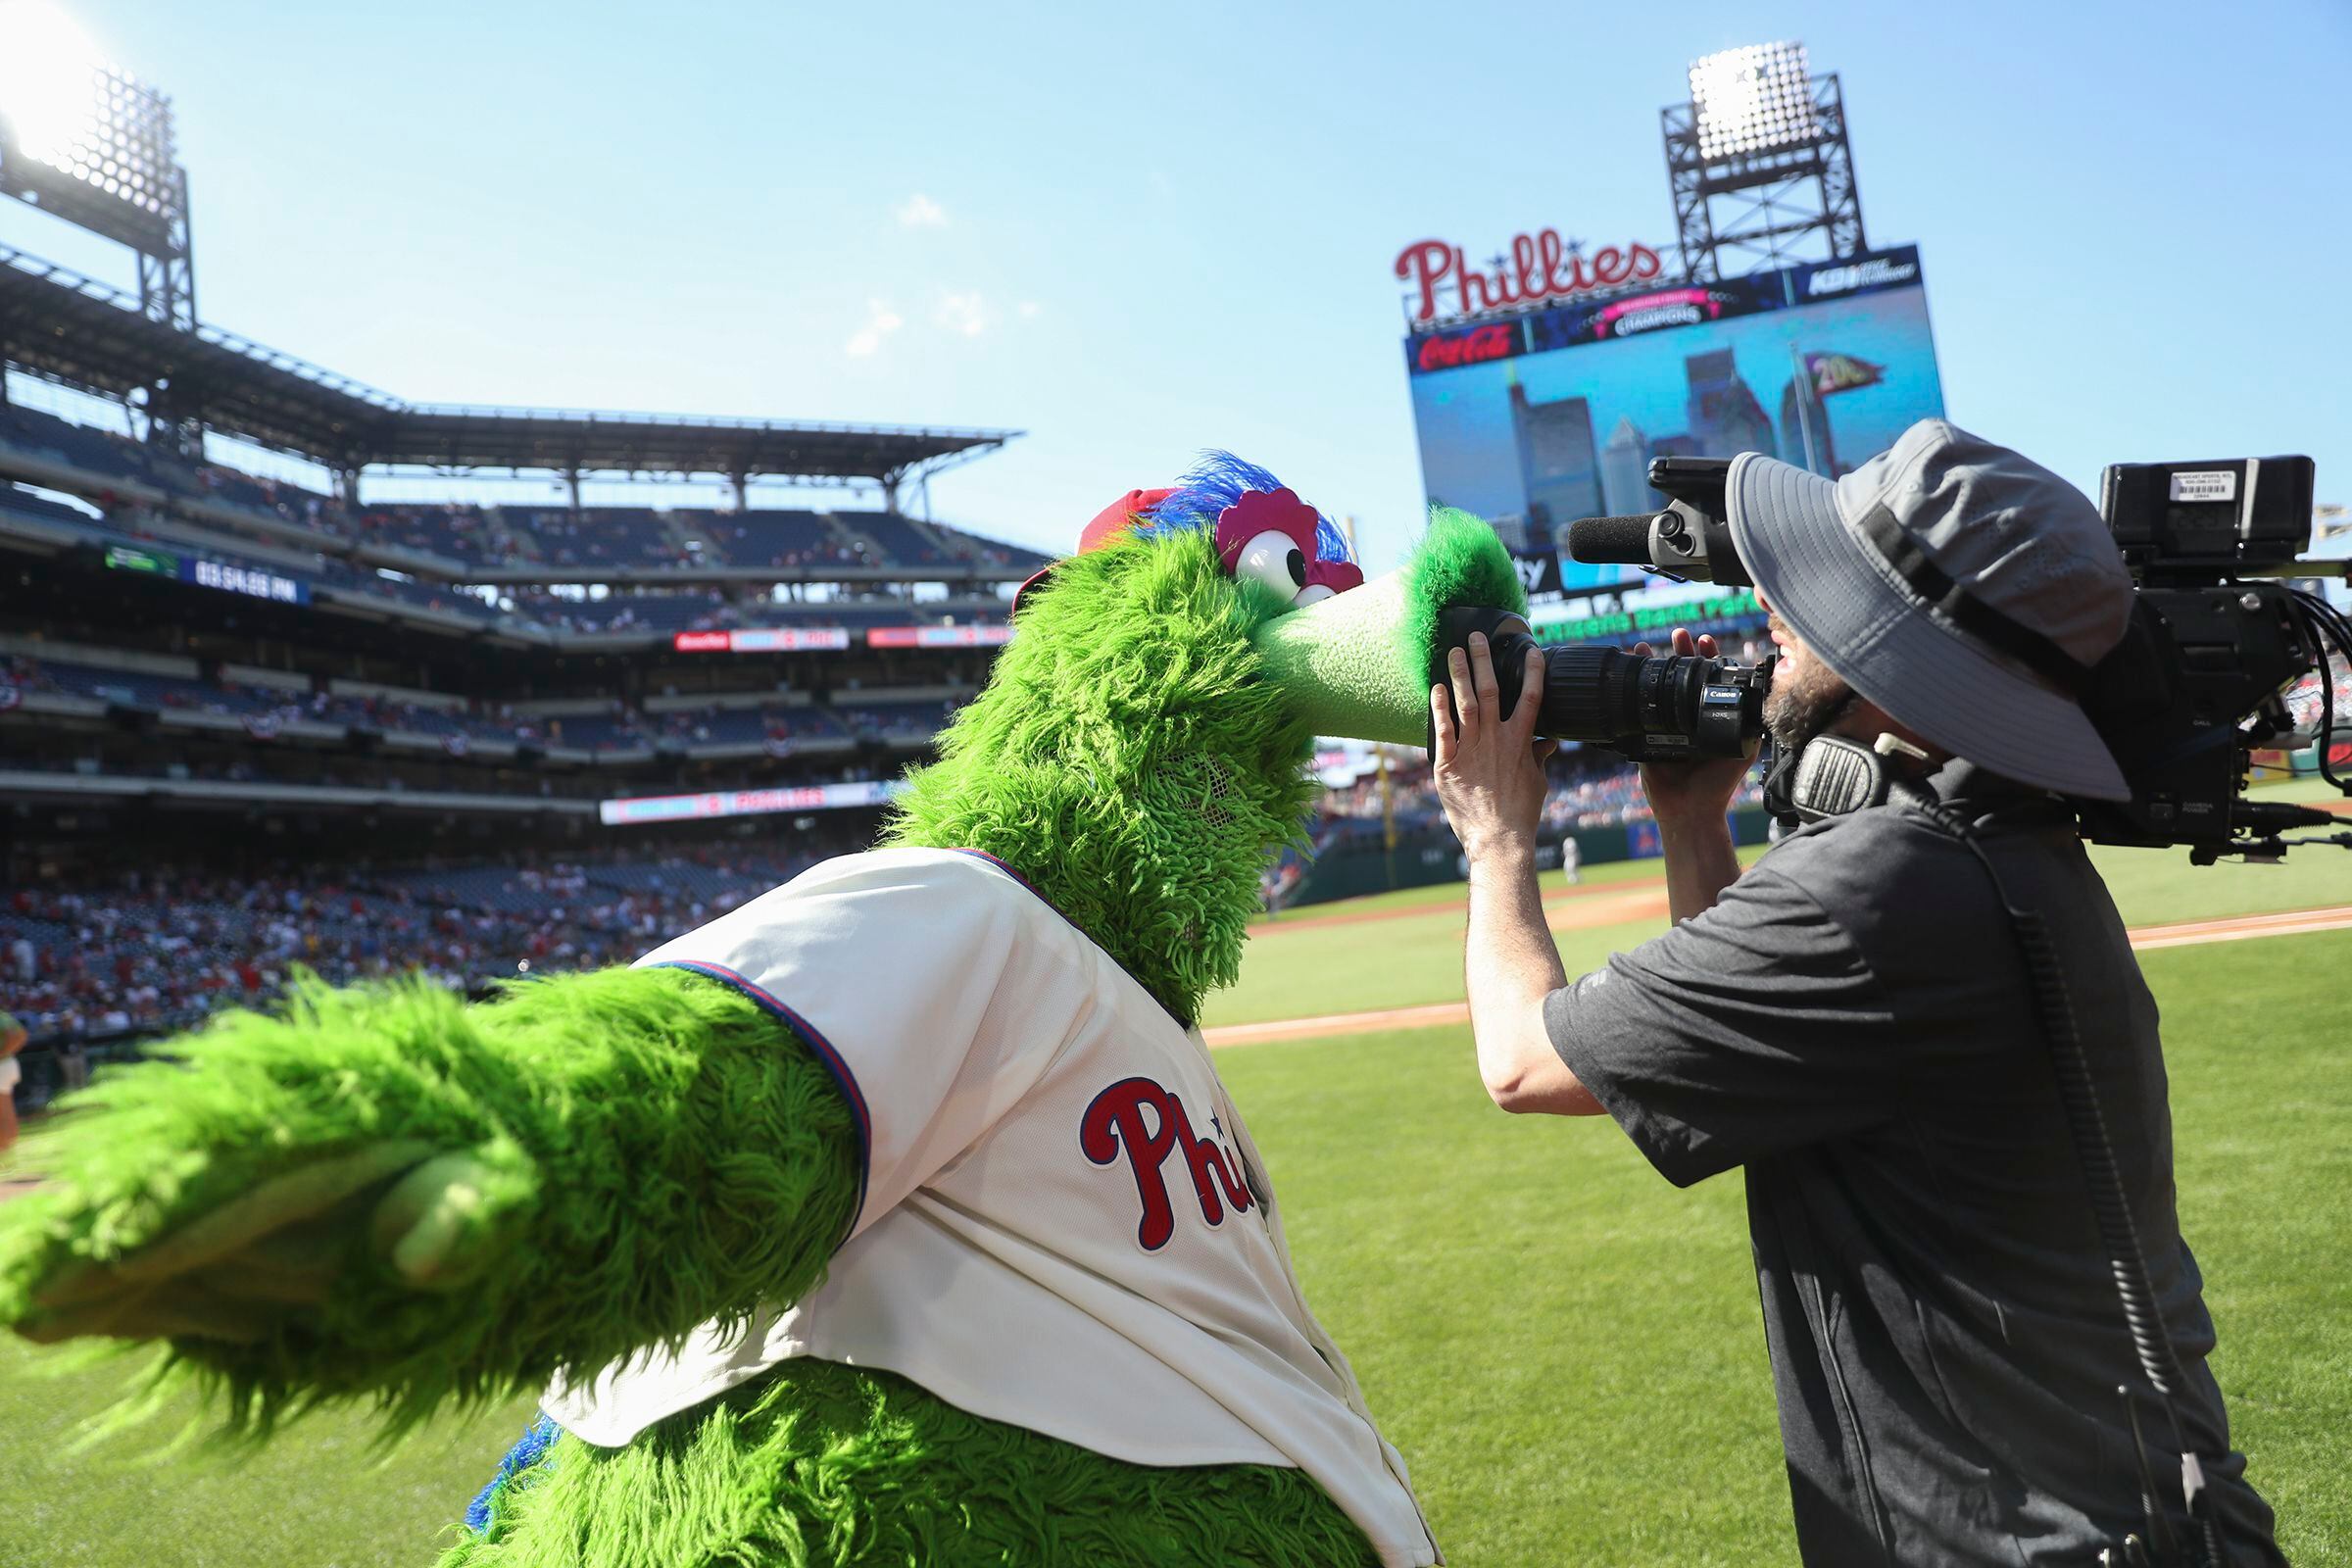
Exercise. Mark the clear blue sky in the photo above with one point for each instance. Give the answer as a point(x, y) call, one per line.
point(1150, 230)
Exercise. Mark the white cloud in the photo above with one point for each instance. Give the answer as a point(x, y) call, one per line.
point(1029, 309)
point(921, 212)
point(880, 321)
point(966, 314)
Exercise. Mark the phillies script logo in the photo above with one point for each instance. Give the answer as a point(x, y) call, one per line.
point(1474, 347)
point(1539, 268)
point(1144, 1122)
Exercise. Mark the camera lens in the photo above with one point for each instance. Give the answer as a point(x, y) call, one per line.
point(1647, 708)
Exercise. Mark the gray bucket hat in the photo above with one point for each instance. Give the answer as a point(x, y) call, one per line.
point(1962, 588)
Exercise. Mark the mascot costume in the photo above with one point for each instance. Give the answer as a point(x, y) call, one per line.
point(898, 1216)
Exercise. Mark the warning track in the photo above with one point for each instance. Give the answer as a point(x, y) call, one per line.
point(2187, 933)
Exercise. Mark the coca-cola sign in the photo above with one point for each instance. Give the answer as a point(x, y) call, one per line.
point(1497, 340)
point(1540, 268)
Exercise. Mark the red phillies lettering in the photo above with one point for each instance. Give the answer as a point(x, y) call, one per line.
point(1138, 1118)
point(1538, 268)
point(1426, 264)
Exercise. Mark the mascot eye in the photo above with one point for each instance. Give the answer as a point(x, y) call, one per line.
point(1274, 559)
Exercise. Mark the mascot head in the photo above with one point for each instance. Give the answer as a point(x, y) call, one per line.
point(1142, 744)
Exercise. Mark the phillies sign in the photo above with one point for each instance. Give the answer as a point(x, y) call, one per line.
point(1540, 268)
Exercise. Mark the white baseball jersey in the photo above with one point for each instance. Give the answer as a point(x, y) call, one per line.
point(1063, 1223)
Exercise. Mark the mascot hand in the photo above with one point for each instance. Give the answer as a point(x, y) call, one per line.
point(383, 1194)
point(263, 1256)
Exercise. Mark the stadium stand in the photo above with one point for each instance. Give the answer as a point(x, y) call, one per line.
point(600, 536)
point(895, 540)
point(161, 948)
point(249, 720)
point(784, 539)
point(470, 534)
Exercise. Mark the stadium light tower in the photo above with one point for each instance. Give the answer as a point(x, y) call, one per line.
point(1760, 166)
point(92, 145)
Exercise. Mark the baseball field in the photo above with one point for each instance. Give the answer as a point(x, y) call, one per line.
point(1566, 1349)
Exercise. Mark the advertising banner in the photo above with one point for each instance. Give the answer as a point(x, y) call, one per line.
point(762, 640)
point(1534, 420)
point(1651, 623)
point(637, 810)
point(988, 636)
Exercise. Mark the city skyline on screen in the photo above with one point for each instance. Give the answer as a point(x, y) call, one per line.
point(1534, 441)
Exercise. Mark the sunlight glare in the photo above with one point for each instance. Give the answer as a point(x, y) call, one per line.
point(49, 86)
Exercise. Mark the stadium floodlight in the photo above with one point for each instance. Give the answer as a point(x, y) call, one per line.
point(1754, 99)
point(84, 139)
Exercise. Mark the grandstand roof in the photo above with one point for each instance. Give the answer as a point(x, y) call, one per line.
point(663, 443)
point(63, 326)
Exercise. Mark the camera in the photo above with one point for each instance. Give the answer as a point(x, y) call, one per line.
point(1665, 709)
point(2216, 641)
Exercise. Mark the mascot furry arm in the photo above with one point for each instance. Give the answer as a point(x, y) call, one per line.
point(383, 1195)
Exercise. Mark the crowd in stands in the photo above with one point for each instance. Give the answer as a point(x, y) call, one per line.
point(266, 710)
point(159, 949)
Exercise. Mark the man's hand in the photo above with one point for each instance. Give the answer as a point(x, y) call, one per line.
point(1490, 771)
point(1693, 792)
point(1690, 799)
point(1488, 765)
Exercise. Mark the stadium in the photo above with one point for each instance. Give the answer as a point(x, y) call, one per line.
point(264, 709)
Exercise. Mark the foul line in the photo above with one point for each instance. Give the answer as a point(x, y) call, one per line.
point(2187, 933)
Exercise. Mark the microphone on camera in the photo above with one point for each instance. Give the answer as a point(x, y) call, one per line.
point(1682, 541)
point(1618, 540)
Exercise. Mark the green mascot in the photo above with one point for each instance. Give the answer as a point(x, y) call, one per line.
point(898, 1216)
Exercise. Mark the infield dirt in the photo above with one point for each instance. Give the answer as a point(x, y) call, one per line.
point(1651, 904)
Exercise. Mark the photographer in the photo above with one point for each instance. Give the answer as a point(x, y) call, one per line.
point(1850, 1020)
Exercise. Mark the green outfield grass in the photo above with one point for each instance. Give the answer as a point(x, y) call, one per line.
point(1566, 1349)
point(1295, 967)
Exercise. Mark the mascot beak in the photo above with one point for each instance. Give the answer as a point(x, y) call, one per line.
point(1357, 665)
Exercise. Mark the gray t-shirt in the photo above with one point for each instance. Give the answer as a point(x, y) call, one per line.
point(1852, 1024)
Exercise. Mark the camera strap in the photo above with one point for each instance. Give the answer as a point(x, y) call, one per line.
point(1832, 775)
point(2111, 1210)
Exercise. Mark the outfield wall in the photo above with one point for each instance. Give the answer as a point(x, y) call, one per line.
point(1431, 856)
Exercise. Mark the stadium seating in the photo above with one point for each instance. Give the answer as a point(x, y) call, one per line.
point(770, 538)
point(459, 532)
point(133, 688)
point(620, 537)
point(162, 950)
point(875, 718)
point(897, 541)
point(679, 612)
point(990, 552)
point(79, 446)
point(597, 536)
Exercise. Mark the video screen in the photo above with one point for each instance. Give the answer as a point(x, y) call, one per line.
point(1533, 422)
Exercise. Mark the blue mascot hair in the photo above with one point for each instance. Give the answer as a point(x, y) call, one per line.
point(1217, 481)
